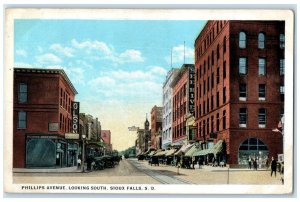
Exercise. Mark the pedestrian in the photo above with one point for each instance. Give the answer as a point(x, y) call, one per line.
point(193, 162)
point(282, 173)
point(78, 163)
point(255, 164)
point(273, 166)
point(250, 162)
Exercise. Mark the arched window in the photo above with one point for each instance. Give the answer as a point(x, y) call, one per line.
point(242, 40)
point(261, 40)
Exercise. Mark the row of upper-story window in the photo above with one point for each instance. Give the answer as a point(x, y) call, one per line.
point(179, 130)
point(261, 40)
point(208, 105)
point(180, 95)
point(243, 66)
point(261, 117)
point(65, 124)
point(65, 100)
point(209, 38)
point(166, 134)
point(167, 120)
point(207, 126)
point(179, 111)
point(261, 92)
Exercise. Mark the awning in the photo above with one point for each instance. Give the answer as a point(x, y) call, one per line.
point(170, 152)
point(160, 153)
point(192, 150)
point(97, 144)
point(152, 153)
point(214, 150)
point(183, 149)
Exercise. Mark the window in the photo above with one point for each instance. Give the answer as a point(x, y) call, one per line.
point(224, 119)
point(261, 92)
point(224, 44)
point(262, 118)
point(207, 129)
point(261, 40)
point(204, 107)
point(224, 95)
point(224, 69)
point(212, 102)
point(218, 51)
point(204, 87)
point(212, 80)
point(200, 71)
point(242, 66)
point(218, 75)
point(22, 92)
point(242, 40)
point(208, 63)
point(207, 105)
point(281, 41)
point(204, 70)
point(243, 118)
point(200, 89)
point(243, 92)
point(218, 101)
point(281, 93)
point(281, 67)
point(261, 66)
point(208, 82)
point(212, 58)
point(203, 128)
point(218, 123)
point(21, 120)
point(212, 124)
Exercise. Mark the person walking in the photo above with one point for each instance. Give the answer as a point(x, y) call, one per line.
point(273, 166)
point(78, 163)
point(255, 164)
point(249, 162)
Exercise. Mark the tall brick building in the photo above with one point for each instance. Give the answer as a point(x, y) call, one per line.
point(239, 88)
point(156, 127)
point(181, 103)
point(42, 116)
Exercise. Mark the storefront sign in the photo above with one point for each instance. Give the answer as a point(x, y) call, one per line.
point(72, 136)
point(53, 127)
point(191, 89)
point(75, 117)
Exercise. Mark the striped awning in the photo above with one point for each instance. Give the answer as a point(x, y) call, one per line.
point(160, 153)
point(192, 150)
point(170, 152)
point(151, 153)
point(214, 150)
point(183, 149)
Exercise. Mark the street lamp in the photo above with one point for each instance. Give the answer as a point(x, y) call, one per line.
point(83, 151)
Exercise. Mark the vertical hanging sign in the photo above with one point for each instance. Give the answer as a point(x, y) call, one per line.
point(191, 89)
point(75, 117)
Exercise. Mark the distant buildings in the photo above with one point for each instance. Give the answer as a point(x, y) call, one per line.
point(156, 127)
point(106, 138)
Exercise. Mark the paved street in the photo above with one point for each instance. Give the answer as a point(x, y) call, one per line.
point(131, 171)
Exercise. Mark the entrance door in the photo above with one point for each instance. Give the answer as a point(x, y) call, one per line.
point(255, 149)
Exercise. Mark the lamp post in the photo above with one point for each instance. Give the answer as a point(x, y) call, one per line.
point(83, 151)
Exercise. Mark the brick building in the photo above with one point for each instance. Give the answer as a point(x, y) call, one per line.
point(181, 104)
point(156, 127)
point(106, 137)
point(41, 118)
point(240, 87)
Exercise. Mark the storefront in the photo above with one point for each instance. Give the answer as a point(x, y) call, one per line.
point(50, 151)
point(255, 149)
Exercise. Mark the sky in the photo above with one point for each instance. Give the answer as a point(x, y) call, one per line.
point(118, 67)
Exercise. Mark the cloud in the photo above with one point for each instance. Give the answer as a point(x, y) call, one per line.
point(23, 65)
point(179, 53)
point(102, 81)
point(131, 56)
point(159, 70)
point(48, 58)
point(97, 50)
point(66, 51)
point(130, 75)
point(21, 52)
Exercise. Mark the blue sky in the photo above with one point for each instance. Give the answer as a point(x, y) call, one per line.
point(118, 67)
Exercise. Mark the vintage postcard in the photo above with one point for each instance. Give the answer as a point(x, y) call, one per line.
point(149, 101)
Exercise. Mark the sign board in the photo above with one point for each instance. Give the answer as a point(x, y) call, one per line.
point(53, 127)
point(75, 117)
point(72, 136)
point(191, 89)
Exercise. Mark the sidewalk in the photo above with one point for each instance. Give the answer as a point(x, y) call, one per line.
point(73, 169)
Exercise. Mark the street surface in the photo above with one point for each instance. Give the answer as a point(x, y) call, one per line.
point(132, 171)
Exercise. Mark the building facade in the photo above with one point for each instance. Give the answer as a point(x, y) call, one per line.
point(106, 137)
point(167, 109)
point(42, 116)
point(156, 127)
point(181, 104)
point(240, 87)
